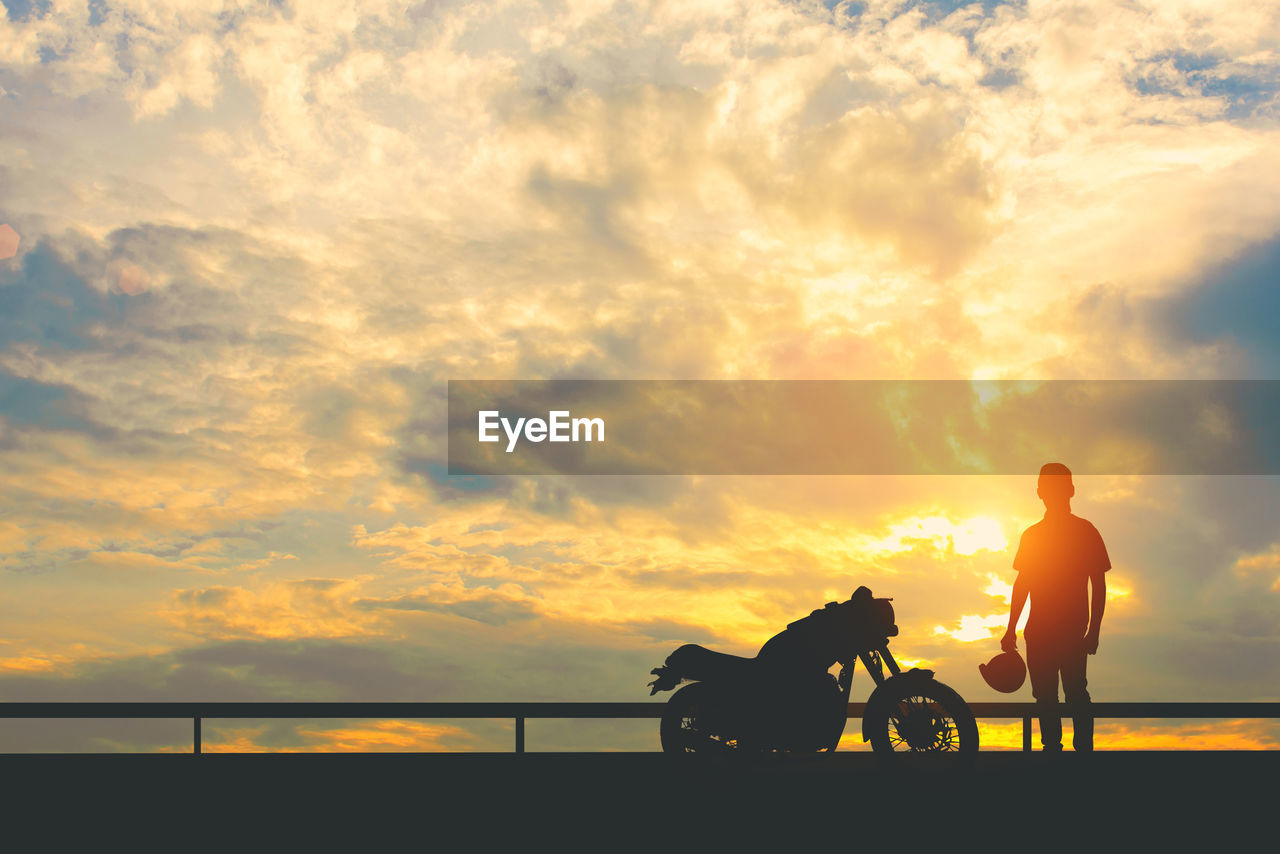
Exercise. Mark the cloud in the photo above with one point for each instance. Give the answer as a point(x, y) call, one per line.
point(1225, 307)
point(311, 607)
point(672, 631)
point(493, 606)
point(1265, 563)
point(348, 737)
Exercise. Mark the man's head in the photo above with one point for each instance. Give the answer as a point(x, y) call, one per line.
point(1054, 486)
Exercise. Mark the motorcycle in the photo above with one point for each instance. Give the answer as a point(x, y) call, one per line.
point(770, 703)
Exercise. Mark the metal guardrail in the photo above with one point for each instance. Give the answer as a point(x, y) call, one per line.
point(520, 712)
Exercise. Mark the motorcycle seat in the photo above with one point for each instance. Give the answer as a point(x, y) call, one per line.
point(692, 661)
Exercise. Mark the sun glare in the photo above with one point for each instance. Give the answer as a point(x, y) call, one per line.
point(965, 537)
point(999, 588)
point(973, 627)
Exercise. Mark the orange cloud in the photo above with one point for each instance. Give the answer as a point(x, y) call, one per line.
point(1263, 563)
point(305, 608)
point(361, 737)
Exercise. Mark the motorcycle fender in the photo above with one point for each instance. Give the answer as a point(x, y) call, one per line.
point(884, 692)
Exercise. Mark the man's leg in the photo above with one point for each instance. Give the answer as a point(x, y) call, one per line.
point(1042, 666)
point(1074, 661)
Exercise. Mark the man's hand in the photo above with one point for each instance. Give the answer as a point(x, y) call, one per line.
point(1009, 643)
point(1091, 643)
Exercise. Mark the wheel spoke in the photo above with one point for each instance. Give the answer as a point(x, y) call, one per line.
point(921, 724)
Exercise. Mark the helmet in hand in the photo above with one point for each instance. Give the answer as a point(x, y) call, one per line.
point(1006, 672)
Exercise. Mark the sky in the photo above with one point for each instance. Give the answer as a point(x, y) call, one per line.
point(251, 242)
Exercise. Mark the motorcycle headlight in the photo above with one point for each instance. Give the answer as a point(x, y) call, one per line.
point(885, 617)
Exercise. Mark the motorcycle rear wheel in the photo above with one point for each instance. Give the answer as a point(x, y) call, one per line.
point(924, 717)
point(683, 728)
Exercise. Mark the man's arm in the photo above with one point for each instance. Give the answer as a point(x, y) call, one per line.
point(1097, 604)
point(1017, 600)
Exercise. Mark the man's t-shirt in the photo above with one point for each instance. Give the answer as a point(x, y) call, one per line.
point(1056, 557)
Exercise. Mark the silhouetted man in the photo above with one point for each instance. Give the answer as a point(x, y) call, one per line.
point(1058, 560)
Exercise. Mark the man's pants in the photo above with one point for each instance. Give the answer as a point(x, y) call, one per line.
point(1046, 658)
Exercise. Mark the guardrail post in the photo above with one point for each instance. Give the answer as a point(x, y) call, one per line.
point(195, 741)
point(519, 735)
point(1026, 734)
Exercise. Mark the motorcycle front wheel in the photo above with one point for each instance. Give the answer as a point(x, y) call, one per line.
point(684, 727)
point(922, 717)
